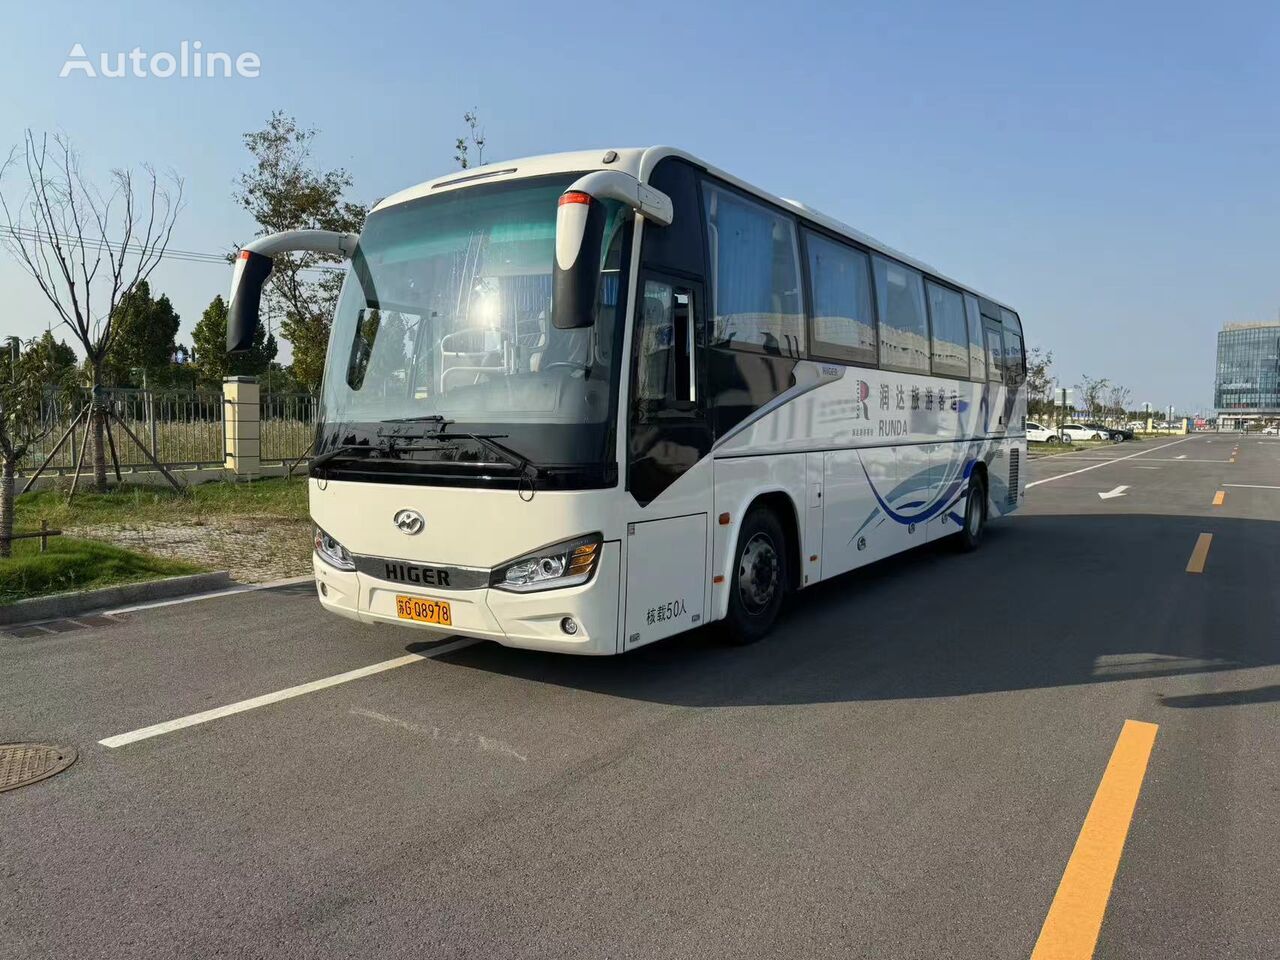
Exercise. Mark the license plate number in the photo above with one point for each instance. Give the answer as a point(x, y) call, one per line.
point(424, 611)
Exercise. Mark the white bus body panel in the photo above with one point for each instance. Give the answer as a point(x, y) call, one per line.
point(359, 516)
point(896, 464)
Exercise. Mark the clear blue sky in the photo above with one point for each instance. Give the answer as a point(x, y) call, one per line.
point(1112, 170)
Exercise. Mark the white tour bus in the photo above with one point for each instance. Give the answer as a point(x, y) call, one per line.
point(585, 401)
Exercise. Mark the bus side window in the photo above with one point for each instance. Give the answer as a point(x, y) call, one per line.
point(977, 357)
point(1015, 359)
point(1015, 371)
point(995, 353)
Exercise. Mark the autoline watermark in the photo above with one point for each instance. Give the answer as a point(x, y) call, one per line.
point(190, 60)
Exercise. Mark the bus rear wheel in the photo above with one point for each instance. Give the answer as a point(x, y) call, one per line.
point(975, 515)
point(759, 578)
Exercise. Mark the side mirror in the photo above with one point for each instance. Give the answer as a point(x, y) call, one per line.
point(251, 272)
point(580, 223)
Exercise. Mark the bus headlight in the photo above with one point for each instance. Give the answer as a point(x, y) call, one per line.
point(332, 552)
point(563, 564)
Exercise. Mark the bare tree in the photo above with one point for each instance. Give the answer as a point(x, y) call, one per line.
point(87, 250)
point(1118, 398)
point(475, 134)
point(1092, 392)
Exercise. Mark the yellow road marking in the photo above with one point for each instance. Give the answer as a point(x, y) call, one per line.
point(1070, 931)
point(1199, 553)
point(1219, 497)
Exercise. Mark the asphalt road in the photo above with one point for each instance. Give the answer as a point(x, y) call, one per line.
point(902, 770)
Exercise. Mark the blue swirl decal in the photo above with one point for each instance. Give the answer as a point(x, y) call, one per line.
point(943, 502)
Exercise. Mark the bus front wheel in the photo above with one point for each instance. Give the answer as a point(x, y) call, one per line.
point(759, 578)
point(975, 515)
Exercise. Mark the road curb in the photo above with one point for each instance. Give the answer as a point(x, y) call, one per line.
point(82, 601)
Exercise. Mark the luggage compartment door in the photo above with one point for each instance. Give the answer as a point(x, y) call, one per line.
point(666, 578)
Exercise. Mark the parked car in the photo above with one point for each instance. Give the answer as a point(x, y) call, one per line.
point(1266, 431)
point(1118, 434)
point(1038, 433)
point(1072, 432)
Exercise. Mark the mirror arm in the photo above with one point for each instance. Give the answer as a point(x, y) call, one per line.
point(615, 185)
point(253, 265)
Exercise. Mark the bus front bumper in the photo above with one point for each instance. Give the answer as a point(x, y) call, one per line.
point(534, 621)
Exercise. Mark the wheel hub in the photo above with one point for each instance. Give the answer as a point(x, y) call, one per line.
point(758, 573)
point(974, 519)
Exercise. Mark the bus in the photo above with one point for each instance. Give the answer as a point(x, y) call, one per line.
point(586, 401)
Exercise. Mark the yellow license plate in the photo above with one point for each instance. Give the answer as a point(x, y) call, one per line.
point(424, 611)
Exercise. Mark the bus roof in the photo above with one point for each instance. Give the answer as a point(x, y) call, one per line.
point(639, 162)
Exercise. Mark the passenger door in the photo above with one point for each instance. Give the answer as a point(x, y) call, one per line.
point(993, 341)
point(669, 430)
point(668, 470)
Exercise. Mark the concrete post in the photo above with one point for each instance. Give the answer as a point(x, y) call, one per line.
point(241, 412)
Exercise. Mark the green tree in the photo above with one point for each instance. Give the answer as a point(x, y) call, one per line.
point(143, 345)
point(53, 354)
point(1039, 382)
point(209, 341)
point(283, 190)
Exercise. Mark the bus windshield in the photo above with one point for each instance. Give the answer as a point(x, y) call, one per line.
point(446, 313)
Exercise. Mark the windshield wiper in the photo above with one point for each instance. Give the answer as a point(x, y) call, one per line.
point(337, 452)
point(490, 441)
point(487, 440)
point(427, 418)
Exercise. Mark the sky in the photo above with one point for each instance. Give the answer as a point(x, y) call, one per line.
point(1111, 170)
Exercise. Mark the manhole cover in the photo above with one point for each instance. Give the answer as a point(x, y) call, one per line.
point(23, 763)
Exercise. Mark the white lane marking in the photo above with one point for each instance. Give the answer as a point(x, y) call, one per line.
point(181, 723)
point(1183, 457)
point(1252, 486)
point(1036, 483)
point(231, 591)
point(479, 740)
point(1138, 466)
point(1116, 492)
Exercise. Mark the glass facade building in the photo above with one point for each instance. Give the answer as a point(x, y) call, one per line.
point(1248, 373)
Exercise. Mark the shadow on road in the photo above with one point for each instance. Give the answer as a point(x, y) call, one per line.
point(1225, 698)
point(1048, 601)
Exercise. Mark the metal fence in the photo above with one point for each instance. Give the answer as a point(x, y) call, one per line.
point(180, 428)
point(287, 426)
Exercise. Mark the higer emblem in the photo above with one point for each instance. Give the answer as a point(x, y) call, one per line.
point(409, 521)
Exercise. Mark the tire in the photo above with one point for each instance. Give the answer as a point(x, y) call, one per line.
point(759, 583)
point(1117, 438)
point(975, 516)
point(1053, 440)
